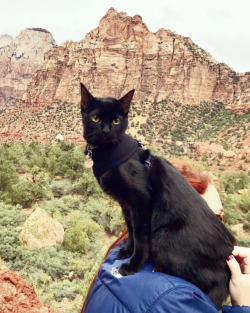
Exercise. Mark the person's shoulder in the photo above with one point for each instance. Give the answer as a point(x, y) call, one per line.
point(146, 289)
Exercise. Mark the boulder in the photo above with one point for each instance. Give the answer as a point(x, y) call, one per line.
point(179, 143)
point(229, 154)
point(59, 137)
point(41, 230)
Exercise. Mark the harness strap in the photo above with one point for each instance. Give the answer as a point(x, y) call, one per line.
point(147, 162)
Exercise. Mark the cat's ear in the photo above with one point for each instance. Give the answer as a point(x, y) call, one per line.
point(126, 100)
point(86, 97)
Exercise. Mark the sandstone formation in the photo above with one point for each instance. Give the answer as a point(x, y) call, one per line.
point(17, 296)
point(122, 54)
point(19, 59)
point(41, 230)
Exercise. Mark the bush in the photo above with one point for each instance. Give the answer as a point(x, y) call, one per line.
point(52, 260)
point(244, 201)
point(62, 206)
point(41, 189)
point(246, 226)
point(106, 215)
point(244, 242)
point(10, 219)
point(233, 182)
point(61, 187)
point(63, 289)
point(8, 176)
point(87, 185)
point(75, 239)
point(22, 194)
point(232, 215)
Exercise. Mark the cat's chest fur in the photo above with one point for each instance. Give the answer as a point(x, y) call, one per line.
point(128, 179)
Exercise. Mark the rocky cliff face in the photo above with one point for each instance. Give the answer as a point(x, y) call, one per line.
point(19, 59)
point(122, 54)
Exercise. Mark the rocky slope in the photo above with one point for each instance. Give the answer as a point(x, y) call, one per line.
point(19, 59)
point(122, 54)
point(18, 296)
point(198, 131)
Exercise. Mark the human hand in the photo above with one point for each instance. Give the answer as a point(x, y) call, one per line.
point(239, 286)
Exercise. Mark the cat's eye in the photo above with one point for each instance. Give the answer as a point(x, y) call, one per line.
point(116, 121)
point(95, 118)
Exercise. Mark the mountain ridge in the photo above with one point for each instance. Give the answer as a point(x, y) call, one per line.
point(19, 59)
point(123, 54)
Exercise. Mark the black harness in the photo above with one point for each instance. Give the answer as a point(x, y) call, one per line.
point(114, 154)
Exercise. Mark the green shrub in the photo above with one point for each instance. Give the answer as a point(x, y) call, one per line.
point(233, 182)
point(87, 185)
point(63, 206)
point(41, 189)
point(243, 241)
point(61, 187)
point(11, 218)
point(22, 194)
point(244, 201)
point(52, 260)
point(246, 226)
point(75, 239)
point(105, 214)
point(247, 216)
point(8, 176)
point(232, 215)
point(63, 289)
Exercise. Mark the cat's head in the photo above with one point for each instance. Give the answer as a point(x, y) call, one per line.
point(104, 119)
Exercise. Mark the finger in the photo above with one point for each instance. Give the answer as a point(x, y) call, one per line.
point(234, 267)
point(242, 255)
point(241, 252)
point(245, 268)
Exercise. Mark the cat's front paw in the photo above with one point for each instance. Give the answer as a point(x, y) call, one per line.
point(125, 269)
point(124, 254)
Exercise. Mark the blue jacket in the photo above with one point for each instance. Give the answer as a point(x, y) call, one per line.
point(147, 292)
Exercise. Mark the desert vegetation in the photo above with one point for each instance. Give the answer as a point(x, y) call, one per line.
point(54, 178)
point(165, 124)
point(178, 130)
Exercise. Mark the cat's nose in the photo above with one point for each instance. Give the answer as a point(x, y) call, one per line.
point(106, 130)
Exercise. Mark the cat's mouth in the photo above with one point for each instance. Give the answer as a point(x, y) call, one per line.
point(99, 139)
point(107, 138)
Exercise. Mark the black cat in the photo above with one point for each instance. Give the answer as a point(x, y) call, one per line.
point(168, 221)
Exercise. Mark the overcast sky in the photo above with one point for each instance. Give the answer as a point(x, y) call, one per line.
point(221, 27)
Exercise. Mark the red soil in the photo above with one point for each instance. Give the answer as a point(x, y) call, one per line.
point(16, 296)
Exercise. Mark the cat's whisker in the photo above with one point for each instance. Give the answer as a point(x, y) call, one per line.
point(89, 134)
point(92, 139)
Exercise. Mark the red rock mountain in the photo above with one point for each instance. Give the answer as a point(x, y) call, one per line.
point(122, 54)
point(19, 59)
